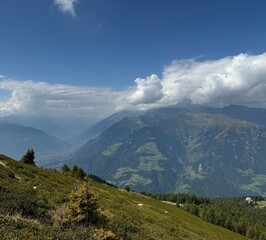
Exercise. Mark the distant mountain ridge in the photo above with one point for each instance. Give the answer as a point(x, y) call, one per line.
point(255, 115)
point(16, 139)
point(195, 150)
point(41, 123)
point(104, 124)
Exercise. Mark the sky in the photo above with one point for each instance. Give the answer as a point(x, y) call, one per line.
point(91, 58)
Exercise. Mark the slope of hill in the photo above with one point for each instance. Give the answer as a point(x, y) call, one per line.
point(16, 139)
point(192, 152)
point(104, 124)
point(255, 115)
point(47, 189)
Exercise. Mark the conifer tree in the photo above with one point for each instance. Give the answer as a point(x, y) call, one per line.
point(127, 188)
point(74, 170)
point(28, 157)
point(82, 212)
point(82, 206)
point(80, 174)
point(65, 169)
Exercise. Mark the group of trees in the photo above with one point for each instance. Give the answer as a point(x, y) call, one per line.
point(179, 198)
point(76, 171)
point(234, 214)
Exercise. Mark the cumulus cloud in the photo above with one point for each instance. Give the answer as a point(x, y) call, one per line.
point(148, 90)
point(67, 6)
point(39, 98)
point(239, 79)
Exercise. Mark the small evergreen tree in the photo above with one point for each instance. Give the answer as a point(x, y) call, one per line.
point(81, 210)
point(80, 173)
point(82, 205)
point(65, 169)
point(193, 209)
point(28, 157)
point(127, 188)
point(74, 170)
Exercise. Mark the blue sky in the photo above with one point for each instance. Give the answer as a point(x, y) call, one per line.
point(99, 46)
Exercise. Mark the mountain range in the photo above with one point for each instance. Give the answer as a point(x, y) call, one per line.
point(16, 139)
point(51, 138)
point(216, 152)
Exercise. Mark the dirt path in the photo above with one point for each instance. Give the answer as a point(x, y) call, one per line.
point(171, 203)
point(3, 164)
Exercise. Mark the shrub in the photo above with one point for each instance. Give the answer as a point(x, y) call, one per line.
point(81, 210)
point(102, 234)
point(127, 188)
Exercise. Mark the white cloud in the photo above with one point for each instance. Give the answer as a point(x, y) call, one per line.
point(37, 98)
point(148, 90)
point(231, 80)
point(67, 6)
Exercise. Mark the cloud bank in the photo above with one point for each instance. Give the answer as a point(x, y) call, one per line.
point(40, 98)
point(239, 79)
point(67, 6)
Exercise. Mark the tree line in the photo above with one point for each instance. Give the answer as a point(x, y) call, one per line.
point(234, 214)
point(76, 171)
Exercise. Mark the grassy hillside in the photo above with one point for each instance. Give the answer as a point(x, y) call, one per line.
point(155, 219)
point(24, 188)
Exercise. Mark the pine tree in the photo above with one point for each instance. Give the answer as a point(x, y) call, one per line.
point(127, 188)
point(65, 169)
point(74, 170)
point(82, 212)
point(28, 157)
point(80, 173)
point(82, 206)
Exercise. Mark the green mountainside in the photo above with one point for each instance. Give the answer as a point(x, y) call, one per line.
point(105, 123)
point(29, 194)
point(193, 152)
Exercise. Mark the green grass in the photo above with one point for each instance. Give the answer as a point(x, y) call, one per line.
point(18, 228)
point(50, 185)
point(154, 220)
